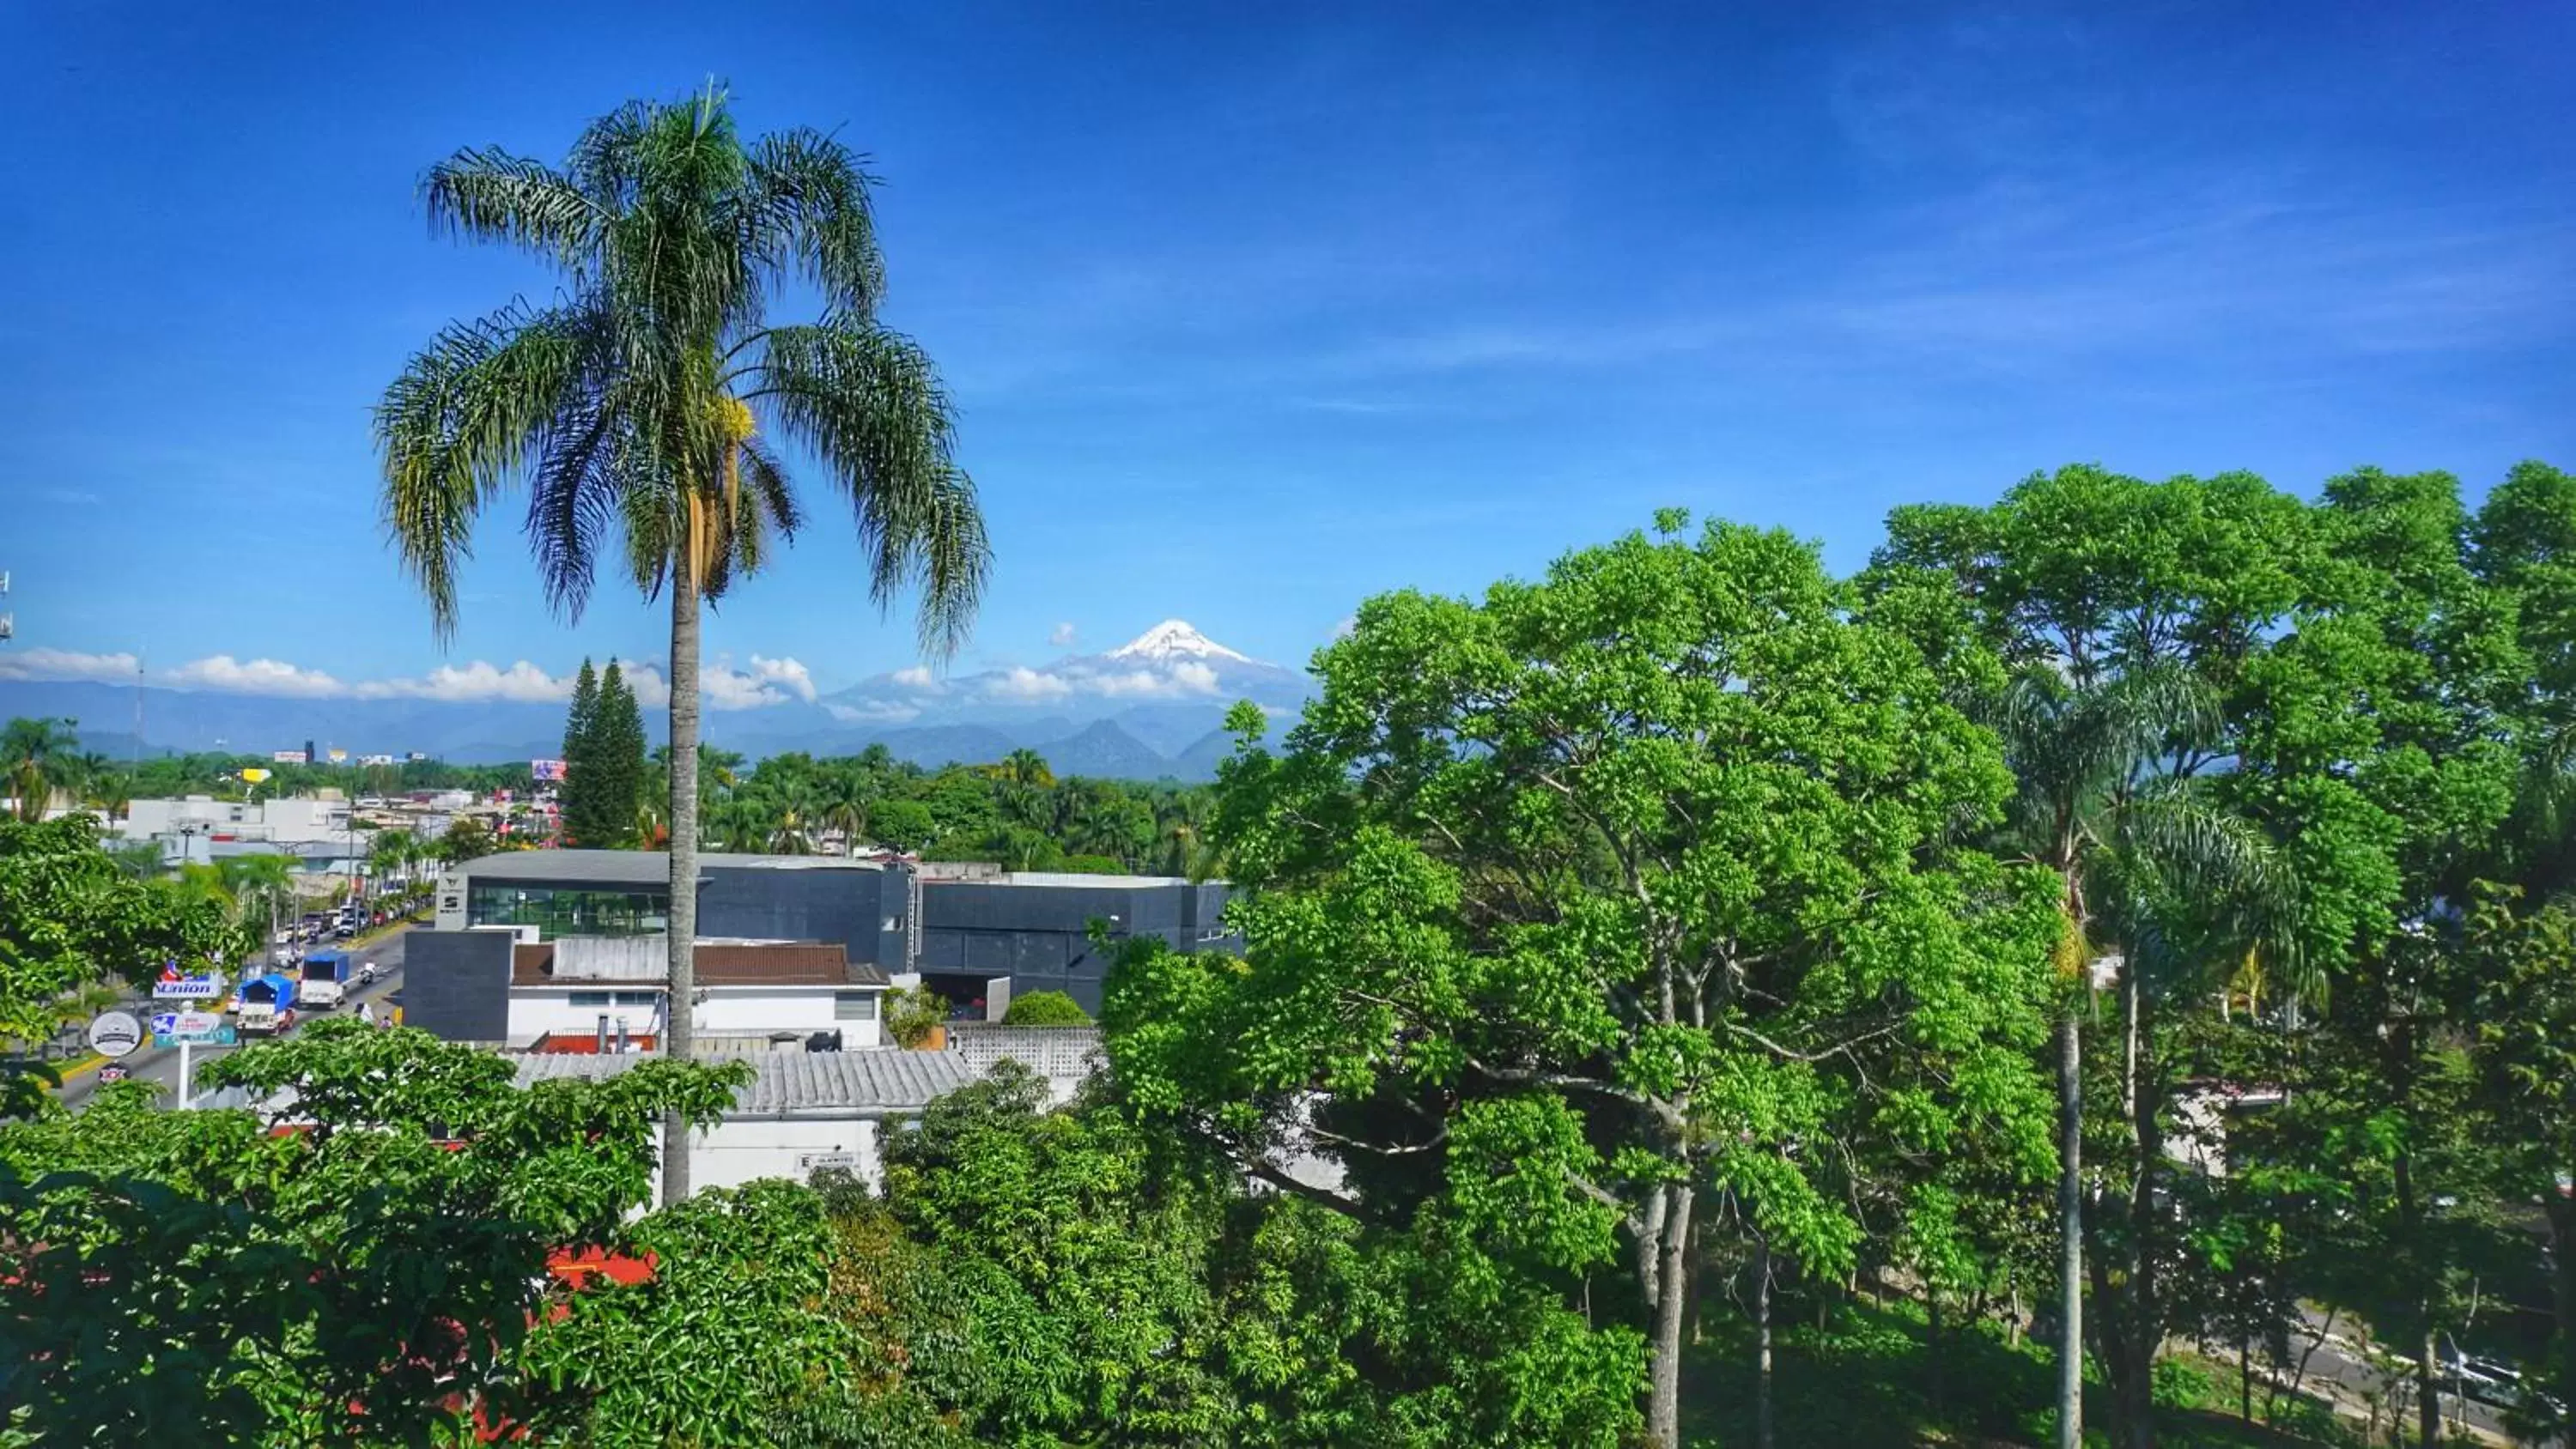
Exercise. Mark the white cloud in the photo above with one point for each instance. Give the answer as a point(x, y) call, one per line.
point(652, 691)
point(521, 683)
point(787, 674)
point(917, 677)
point(873, 712)
point(68, 664)
point(1062, 636)
point(259, 676)
point(1019, 682)
point(1187, 678)
point(767, 682)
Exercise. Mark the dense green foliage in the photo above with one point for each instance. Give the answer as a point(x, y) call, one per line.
point(1637, 960)
point(71, 918)
point(1045, 1008)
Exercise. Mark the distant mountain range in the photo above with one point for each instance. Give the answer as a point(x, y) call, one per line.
point(1150, 709)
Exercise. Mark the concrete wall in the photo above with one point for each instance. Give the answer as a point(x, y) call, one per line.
point(805, 1009)
point(746, 1149)
point(550, 1010)
point(536, 1011)
point(456, 984)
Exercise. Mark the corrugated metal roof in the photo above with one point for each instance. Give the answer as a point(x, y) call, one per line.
point(637, 867)
point(800, 1083)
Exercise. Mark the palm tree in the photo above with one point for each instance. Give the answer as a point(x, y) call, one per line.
point(845, 810)
point(2101, 807)
point(37, 755)
point(635, 406)
point(258, 883)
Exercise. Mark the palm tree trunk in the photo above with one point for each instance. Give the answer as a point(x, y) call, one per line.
point(678, 1018)
point(2070, 1232)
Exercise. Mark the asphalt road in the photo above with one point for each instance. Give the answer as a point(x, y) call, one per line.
point(2341, 1361)
point(153, 1064)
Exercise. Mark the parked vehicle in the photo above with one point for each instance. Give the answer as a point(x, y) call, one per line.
point(265, 1005)
point(325, 979)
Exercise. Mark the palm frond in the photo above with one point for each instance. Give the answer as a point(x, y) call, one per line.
point(472, 408)
point(869, 404)
point(808, 199)
point(491, 195)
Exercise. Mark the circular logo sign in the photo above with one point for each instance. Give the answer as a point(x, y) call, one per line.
point(115, 1034)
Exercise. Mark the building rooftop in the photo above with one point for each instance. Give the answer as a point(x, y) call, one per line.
point(1066, 878)
point(794, 1084)
point(638, 867)
point(801, 963)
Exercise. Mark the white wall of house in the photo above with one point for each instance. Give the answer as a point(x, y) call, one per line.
point(852, 1011)
point(741, 1149)
point(855, 1012)
point(537, 1011)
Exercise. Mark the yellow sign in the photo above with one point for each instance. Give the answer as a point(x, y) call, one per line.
point(339, 757)
point(255, 775)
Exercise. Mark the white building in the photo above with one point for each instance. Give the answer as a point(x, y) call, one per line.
point(802, 1112)
point(749, 994)
point(278, 822)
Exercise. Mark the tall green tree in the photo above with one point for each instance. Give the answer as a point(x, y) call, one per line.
point(639, 406)
point(2126, 610)
point(618, 758)
point(578, 799)
point(1613, 908)
point(38, 757)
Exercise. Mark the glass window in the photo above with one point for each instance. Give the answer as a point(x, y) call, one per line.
point(591, 998)
point(639, 998)
point(854, 1006)
point(567, 910)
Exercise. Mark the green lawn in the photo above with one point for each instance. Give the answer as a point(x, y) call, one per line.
point(1865, 1381)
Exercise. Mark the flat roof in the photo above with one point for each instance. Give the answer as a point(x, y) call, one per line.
point(653, 867)
point(802, 963)
point(1070, 878)
point(638, 867)
point(798, 1084)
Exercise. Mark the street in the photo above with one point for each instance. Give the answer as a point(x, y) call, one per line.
point(153, 1064)
point(2339, 1360)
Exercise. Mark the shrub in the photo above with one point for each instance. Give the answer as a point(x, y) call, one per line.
point(1045, 1008)
point(912, 1013)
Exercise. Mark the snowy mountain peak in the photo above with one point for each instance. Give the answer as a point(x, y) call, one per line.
point(1172, 640)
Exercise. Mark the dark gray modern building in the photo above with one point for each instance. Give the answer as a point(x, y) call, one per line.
point(960, 926)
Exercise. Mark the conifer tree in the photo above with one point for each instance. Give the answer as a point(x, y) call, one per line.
point(618, 746)
point(578, 795)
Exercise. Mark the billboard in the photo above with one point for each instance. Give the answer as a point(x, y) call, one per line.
point(286, 757)
point(375, 759)
point(415, 757)
point(339, 757)
point(543, 770)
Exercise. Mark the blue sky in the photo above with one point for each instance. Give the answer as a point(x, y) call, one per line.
point(1254, 311)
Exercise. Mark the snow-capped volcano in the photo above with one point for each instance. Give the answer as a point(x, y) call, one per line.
point(1171, 641)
